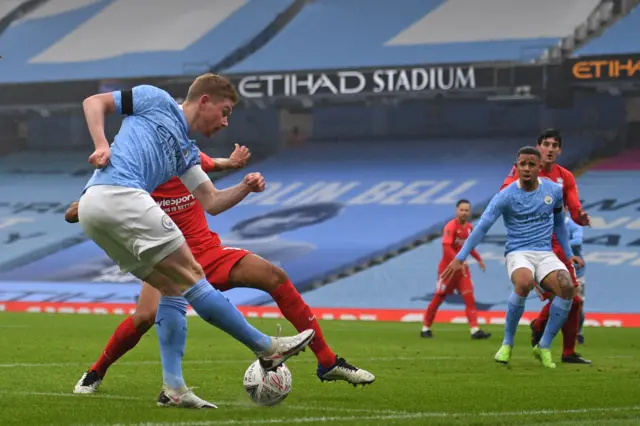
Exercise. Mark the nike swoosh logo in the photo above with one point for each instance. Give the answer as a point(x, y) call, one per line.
point(311, 318)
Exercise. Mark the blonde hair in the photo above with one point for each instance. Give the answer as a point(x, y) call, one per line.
point(213, 85)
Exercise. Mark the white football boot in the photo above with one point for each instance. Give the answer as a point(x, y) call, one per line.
point(283, 348)
point(342, 370)
point(88, 383)
point(181, 398)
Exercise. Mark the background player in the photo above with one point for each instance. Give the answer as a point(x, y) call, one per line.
point(532, 211)
point(225, 268)
point(118, 214)
point(550, 147)
point(454, 235)
point(576, 236)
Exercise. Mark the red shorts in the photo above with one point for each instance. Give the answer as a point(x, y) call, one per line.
point(458, 282)
point(558, 252)
point(217, 262)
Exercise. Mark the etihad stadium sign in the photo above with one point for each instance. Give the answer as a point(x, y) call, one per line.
point(355, 82)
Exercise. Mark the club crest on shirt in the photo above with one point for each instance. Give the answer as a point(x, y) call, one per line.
point(168, 223)
point(548, 199)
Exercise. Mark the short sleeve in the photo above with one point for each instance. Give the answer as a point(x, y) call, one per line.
point(559, 201)
point(496, 207)
point(140, 100)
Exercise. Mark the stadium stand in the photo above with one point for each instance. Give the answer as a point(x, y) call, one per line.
point(58, 41)
point(420, 31)
point(319, 217)
point(612, 253)
point(621, 37)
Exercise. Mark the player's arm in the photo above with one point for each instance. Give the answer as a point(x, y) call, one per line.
point(576, 233)
point(216, 201)
point(488, 218)
point(237, 160)
point(572, 200)
point(95, 108)
point(560, 227)
point(448, 252)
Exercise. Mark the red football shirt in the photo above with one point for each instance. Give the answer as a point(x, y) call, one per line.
point(454, 235)
point(564, 177)
point(181, 206)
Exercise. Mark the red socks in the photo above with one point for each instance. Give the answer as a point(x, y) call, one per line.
point(570, 328)
point(432, 309)
point(298, 313)
point(470, 309)
point(122, 341)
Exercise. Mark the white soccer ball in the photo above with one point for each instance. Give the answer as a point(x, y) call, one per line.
point(267, 388)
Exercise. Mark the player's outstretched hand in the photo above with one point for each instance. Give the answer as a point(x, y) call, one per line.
point(575, 260)
point(100, 157)
point(585, 220)
point(71, 215)
point(255, 182)
point(452, 268)
point(240, 156)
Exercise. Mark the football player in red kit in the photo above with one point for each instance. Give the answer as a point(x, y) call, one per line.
point(453, 237)
point(225, 268)
point(550, 146)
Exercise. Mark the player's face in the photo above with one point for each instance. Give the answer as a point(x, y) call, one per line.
point(213, 115)
point(528, 166)
point(549, 149)
point(463, 211)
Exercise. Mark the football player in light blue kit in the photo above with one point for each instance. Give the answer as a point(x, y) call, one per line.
point(531, 209)
point(576, 236)
point(117, 212)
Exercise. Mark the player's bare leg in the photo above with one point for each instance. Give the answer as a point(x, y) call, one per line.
point(559, 282)
point(125, 337)
point(522, 279)
point(255, 272)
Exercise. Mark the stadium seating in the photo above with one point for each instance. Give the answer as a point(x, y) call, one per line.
point(320, 216)
point(329, 34)
point(36, 189)
point(612, 253)
point(58, 41)
point(621, 37)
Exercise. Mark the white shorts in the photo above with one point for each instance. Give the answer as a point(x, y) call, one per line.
point(540, 263)
point(129, 226)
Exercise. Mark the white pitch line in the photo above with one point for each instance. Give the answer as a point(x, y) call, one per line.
point(243, 361)
point(221, 404)
point(376, 418)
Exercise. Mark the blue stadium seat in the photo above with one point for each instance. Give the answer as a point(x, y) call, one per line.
point(82, 39)
point(330, 34)
point(320, 216)
point(612, 253)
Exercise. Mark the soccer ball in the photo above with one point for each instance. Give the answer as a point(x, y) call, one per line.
point(267, 388)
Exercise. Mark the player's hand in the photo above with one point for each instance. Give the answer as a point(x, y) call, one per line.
point(576, 260)
point(255, 182)
point(71, 215)
point(453, 267)
point(584, 219)
point(239, 157)
point(483, 267)
point(100, 157)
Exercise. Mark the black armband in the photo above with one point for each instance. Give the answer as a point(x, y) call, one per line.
point(127, 102)
point(557, 210)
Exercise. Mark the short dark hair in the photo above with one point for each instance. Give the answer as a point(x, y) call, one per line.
point(463, 201)
point(550, 134)
point(529, 150)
